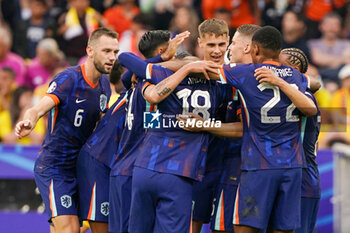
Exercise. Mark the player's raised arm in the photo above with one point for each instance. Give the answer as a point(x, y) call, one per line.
point(156, 93)
point(32, 115)
point(152, 46)
point(174, 43)
point(299, 99)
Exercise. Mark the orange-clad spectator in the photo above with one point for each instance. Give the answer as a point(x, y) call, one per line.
point(315, 10)
point(129, 40)
point(120, 16)
point(243, 11)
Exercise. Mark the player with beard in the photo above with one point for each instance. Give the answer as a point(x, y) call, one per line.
point(75, 100)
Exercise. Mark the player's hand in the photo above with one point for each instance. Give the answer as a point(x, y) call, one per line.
point(174, 44)
point(23, 128)
point(267, 75)
point(203, 67)
point(191, 127)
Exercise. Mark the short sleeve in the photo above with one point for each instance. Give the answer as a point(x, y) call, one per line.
point(61, 87)
point(155, 73)
point(231, 74)
point(307, 80)
point(126, 78)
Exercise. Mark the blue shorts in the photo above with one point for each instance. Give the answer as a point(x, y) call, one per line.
point(93, 186)
point(309, 210)
point(265, 195)
point(223, 208)
point(160, 202)
point(203, 196)
point(59, 192)
point(120, 201)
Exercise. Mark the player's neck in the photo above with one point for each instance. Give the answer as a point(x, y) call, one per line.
point(247, 59)
point(91, 73)
point(269, 59)
point(262, 59)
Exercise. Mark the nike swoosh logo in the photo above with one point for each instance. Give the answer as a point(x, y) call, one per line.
point(79, 101)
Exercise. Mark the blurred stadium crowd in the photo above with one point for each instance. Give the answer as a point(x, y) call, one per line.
point(39, 38)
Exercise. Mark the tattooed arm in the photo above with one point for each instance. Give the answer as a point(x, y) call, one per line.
point(157, 93)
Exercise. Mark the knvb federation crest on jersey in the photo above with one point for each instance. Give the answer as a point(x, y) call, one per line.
point(103, 102)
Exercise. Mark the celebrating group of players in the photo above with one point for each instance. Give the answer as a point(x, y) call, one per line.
point(255, 173)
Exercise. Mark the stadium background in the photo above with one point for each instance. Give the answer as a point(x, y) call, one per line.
point(21, 209)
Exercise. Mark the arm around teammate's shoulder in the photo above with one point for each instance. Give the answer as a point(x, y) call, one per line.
point(157, 93)
point(299, 99)
point(32, 115)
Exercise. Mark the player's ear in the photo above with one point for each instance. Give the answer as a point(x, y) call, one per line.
point(161, 49)
point(89, 51)
point(247, 48)
point(200, 43)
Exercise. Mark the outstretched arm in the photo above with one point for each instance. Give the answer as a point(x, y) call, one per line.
point(127, 76)
point(299, 99)
point(133, 63)
point(32, 115)
point(157, 93)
